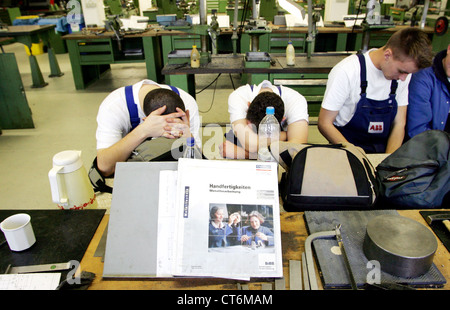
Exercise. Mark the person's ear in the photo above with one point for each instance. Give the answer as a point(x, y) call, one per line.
point(387, 54)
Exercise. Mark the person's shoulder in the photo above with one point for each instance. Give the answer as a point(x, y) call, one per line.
point(113, 98)
point(348, 66)
point(424, 73)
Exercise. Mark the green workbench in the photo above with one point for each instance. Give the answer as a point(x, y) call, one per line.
point(29, 34)
point(308, 76)
point(14, 110)
point(92, 55)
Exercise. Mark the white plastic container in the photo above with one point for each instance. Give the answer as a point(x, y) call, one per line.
point(18, 232)
point(69, 182)
point(191, 150)
point(290, 54)
point(195, 57)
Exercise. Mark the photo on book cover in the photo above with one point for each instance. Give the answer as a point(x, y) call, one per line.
point(236, 227)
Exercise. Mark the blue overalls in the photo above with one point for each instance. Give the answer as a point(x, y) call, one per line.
point(370, 126)
point(132, 107)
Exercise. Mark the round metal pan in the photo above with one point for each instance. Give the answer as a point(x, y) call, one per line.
point(402, 246)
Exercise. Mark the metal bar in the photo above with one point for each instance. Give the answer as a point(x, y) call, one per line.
point(305, 273)
point(305, 82)
point(40, 268)
point(344, 255)
point(295, 275)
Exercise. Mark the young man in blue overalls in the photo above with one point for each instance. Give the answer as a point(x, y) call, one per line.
point(367, 94)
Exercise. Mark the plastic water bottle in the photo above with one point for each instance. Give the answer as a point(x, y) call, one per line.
point(195, 57)
point(191, 150)
point(290, 54)
point(268, 133)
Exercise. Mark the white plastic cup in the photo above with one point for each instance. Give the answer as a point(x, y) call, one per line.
point(18, 232)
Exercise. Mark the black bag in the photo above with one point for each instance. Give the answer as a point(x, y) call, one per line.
point(157, 149)
point(417, 174)
point(325, 177)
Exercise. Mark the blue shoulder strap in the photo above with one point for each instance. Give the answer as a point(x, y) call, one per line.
point(175, 89)
point(132, 107)
point(362, 61)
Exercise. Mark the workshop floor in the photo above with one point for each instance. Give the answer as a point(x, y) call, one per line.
point(65, 119)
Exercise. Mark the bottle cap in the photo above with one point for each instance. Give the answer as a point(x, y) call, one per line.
point(270, 110)
point(190, 141)
point(194, 46)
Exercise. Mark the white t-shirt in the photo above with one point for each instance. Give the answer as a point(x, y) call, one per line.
point(295, 105)
point(113, 118)
point(344, 87)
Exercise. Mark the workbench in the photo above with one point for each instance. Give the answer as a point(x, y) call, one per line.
point(29, 34)
point(14, 109)
point(308, 76)
point(293, 235)
point(92, 54)
point(294, 232)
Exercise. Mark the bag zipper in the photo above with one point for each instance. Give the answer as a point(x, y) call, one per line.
point(399, 171)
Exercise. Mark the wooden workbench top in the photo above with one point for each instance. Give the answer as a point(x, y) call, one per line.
point(318, 63)
point(160, 31)
point(293, 234)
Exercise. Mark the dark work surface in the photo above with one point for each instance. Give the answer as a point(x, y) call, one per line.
point(61, 236)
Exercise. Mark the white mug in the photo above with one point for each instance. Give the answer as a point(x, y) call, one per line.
point(18, 232)
point(69, 182)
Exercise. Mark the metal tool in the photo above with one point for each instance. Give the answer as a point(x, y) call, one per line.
point(38, 268)
point(312, 280)
point(344, 255)
point(444, 217)
point(295, 275)
point(402, 246)
point(305, 273)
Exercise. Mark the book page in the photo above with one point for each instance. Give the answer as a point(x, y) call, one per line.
point(228, 219)
point(30, 281)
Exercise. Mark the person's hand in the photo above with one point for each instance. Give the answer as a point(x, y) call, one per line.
point(234, 219)
point(158, 125)
point(261, 236)
point(178, 124)
point(244, 238)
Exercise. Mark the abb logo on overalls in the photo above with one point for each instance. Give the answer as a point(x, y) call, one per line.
point(376, 127)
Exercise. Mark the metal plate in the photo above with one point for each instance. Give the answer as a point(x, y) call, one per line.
point(402, 246)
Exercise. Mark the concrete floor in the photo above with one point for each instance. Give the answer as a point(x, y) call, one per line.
point(65, 119)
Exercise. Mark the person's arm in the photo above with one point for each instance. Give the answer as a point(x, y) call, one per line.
point(397, 134)
point(155, 125)
point(246, 136)
point(118, 152)
point(327, 128)
point(420, 114)
point(297, 132)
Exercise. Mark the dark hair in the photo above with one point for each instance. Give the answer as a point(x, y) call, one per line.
point(411, 43)
point(160, 97)
point(257, 108)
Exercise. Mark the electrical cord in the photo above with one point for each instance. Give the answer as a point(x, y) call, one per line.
point(208, 85)
point(214, 94)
